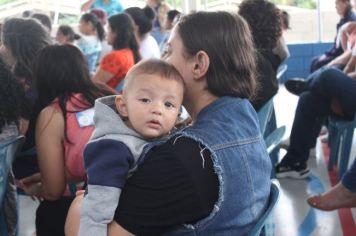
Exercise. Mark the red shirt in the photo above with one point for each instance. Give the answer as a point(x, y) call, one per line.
point(117, 62)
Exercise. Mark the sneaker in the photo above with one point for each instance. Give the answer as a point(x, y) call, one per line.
point(296, 170)
point(295, 86)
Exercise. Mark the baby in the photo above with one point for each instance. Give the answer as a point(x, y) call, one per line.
point(147, 110)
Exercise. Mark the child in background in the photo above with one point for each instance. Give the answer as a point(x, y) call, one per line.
point(65, 34)
point(147, 110)
point(171, 19)
point(90, 41)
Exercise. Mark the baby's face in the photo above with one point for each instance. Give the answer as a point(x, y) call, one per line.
point(152, 105)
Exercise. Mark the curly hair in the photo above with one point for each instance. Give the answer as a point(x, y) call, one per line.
point(11, 97)
point(264, 19)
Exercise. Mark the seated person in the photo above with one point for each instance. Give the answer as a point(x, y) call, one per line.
point(66, 95)
point(147, 110)
point(192, 169)
point(92, 33)
point(12, 103)
point(344, 10)
point(114, 65)
point(331, 91)
point(345, 62)
point(266, 30)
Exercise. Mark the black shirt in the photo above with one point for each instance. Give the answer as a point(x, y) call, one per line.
point(176, 184)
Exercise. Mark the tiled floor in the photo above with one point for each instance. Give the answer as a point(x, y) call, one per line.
point(293, 216)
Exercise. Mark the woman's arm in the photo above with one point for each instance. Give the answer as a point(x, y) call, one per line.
point(345, 33)
point(102, 76)
point(350, 66)
point(49, 145)
point(85, 6)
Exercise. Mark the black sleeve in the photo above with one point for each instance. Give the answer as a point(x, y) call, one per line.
point(173, 186)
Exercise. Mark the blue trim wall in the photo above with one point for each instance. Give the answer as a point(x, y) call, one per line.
point(301, 56)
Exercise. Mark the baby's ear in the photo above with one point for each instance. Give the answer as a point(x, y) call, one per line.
point(121, 107)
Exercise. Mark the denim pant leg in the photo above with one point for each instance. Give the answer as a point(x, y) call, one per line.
point(310, 109)
point(333, 83)
point(349, 178)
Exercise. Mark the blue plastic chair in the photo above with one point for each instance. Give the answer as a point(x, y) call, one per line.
point(281, 70)
point(341, 133)
point(265, 114)
point(7, 156)
point(265, 225)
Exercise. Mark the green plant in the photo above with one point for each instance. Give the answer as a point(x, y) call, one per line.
point(2, 2)
point(309, 4)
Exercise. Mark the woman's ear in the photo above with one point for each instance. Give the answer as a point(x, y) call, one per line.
point(121, 105)
point(202, 62)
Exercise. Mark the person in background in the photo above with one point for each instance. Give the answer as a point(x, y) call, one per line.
point(192, 169)
point(102, 16)
point(171, 19)
point(281, 48)
point(146, 111)
point(11, 125)
point(114, 66)
point(65, 94)
point(66, 34)
point(330, 92)
point(111, 7)
point(143, 20)
point(344, 10)
point(161, 9)
point(266, 30)
point(44, 19)
point(92, 33)
point(22, 38)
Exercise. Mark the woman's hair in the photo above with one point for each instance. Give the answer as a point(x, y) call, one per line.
point(101, 14)
point(348, 8)
point(24, 38)
point(11, 97)
point(68, 31)
point(264, 19)
point(44, 19)
point(226, 38)
point(99, 28)
point(143, 18)
point(122, 26)
point(61, 71)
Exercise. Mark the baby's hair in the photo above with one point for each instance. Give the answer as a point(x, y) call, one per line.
point(153, 67)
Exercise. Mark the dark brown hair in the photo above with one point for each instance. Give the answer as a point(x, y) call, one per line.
point(265, 22)
point(122, 25)
point(226, 38)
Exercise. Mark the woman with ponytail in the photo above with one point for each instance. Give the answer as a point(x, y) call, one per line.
point(92, 33)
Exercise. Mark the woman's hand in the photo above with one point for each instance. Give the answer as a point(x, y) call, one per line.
point(32, 186)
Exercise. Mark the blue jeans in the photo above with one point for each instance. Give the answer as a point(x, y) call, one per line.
point(315, 104)
point(349, 178)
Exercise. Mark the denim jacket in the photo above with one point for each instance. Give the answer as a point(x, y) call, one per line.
point(229, 129)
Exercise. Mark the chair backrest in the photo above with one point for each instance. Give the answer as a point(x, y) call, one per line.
point(273, 199)
point(8, 151)
point(274, 139)
point(264, 114)
point(281, 70)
